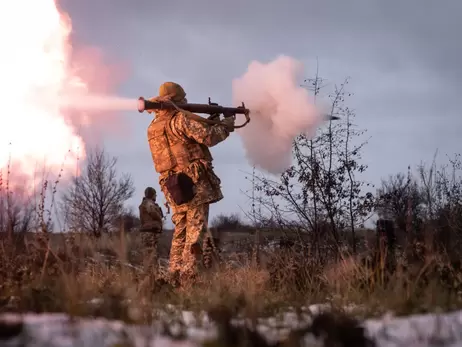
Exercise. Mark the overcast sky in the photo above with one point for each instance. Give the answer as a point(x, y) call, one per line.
point(404, 58)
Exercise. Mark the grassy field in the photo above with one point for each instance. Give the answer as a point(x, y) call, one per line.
point(110, 277)
point(71, 274)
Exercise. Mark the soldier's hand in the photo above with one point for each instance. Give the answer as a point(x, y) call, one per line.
point(229, 123)
point(214, 116)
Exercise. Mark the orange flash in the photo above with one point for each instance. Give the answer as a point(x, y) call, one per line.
point(35, 70)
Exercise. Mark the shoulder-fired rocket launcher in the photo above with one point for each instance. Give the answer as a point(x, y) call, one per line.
point(212, 109)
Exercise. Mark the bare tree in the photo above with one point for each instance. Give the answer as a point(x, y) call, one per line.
point(97, 197)
point(320, 191)
point(17, 212)
point(446, 204)
point(398, 199)
point(428, 182)
point(230, 222)
point(428, 208)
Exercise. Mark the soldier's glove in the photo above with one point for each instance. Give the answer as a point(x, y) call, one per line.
point(229, 123)
point(214, 116)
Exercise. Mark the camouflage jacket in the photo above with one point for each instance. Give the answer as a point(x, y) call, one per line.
point(150, 216)
point(207, 183)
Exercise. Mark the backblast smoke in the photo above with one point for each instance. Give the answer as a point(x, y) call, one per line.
point(86, 102)
point(38, 81)
point(280, 110)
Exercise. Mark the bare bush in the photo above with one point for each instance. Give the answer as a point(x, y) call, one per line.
point(426, 207)
point(398, 198)
point(17, 212)
point(96, 198)
point(321, 193)
point(228, 222)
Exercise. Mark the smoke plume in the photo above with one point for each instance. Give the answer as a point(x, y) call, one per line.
point(96, 103)
point(280, 109)
point(42, 82)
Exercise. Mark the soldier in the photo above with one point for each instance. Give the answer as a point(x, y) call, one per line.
point(179, 146)
point(151, 223)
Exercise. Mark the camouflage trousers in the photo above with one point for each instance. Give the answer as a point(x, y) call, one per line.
point(190, 240)
point(150, 241)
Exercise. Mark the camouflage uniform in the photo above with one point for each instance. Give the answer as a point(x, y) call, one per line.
point(151, 224)
point(180, 144)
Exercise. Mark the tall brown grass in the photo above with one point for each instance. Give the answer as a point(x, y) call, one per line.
point(109, 277)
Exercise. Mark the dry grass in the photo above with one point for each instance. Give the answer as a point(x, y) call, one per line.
point(73, 274)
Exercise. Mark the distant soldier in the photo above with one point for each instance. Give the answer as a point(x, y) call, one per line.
point(151, 216)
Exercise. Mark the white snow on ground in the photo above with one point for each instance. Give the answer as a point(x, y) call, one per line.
point(59, 330)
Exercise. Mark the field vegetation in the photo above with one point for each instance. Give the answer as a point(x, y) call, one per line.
point(308, 238)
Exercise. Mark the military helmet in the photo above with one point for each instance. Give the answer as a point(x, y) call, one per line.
point(172, 90)
point(149, 192)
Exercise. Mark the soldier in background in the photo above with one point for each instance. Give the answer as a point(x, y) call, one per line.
point(179, 146)
point(151, 216)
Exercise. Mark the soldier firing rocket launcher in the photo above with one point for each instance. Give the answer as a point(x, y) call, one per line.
point(212, 109)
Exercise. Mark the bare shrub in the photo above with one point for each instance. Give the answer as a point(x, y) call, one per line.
point(97, 197)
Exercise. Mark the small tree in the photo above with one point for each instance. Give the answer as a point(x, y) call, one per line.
point(17, 212)
point(400, 200)
point(229, 223)
point(442, 203)
point(321, 192)
point(96, 198)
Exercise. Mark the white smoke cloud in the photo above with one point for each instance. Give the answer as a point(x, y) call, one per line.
point(280, 110)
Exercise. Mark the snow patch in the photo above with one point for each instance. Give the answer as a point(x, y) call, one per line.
point(60, 330)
